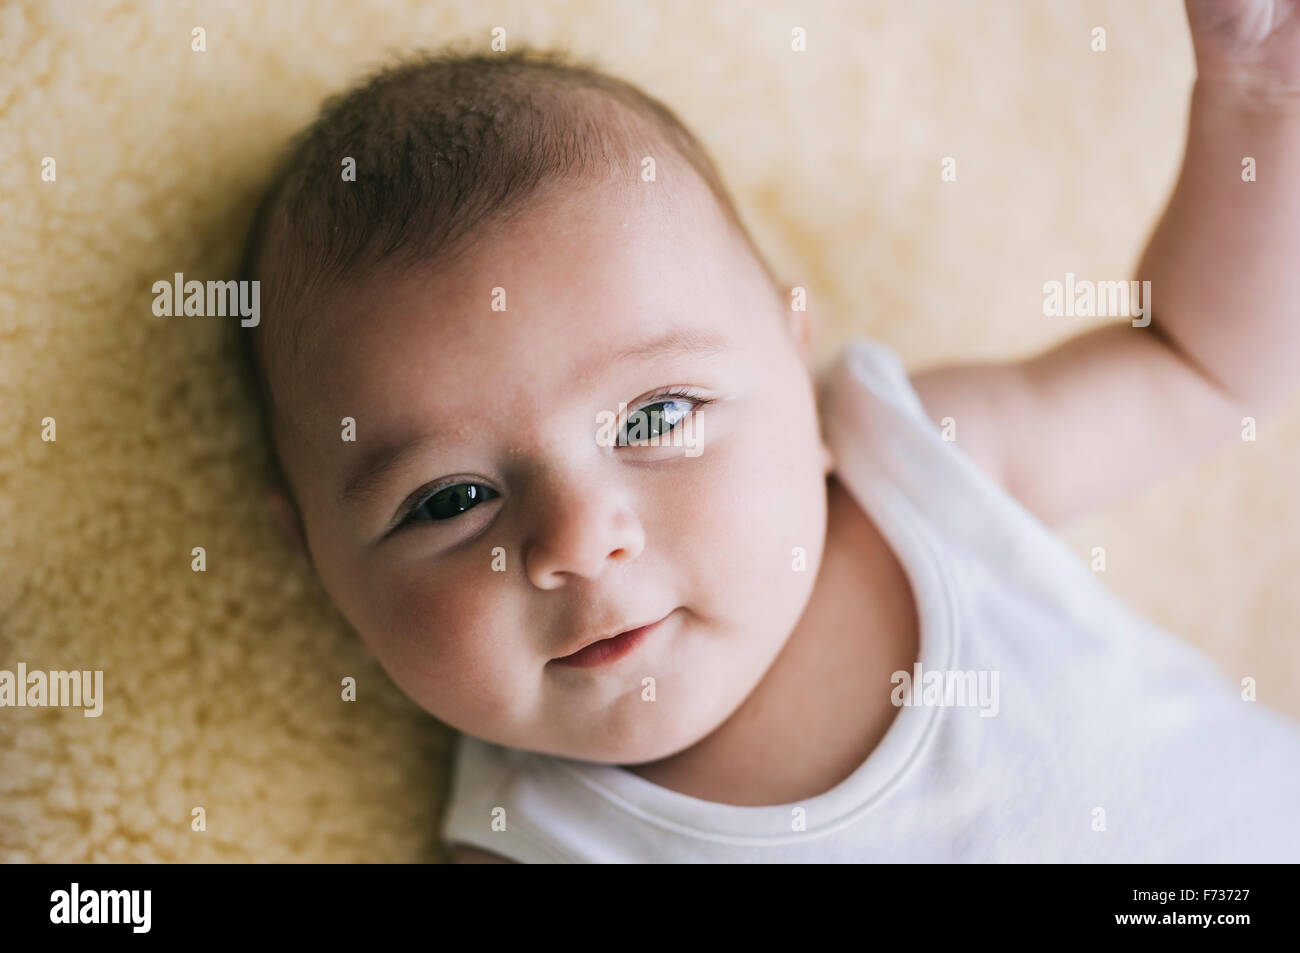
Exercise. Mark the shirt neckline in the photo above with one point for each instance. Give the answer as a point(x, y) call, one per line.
point(935, 594)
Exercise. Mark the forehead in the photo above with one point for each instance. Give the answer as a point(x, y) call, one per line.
point(533, 304)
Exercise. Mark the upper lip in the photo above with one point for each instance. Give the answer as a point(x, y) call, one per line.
point(592, 640)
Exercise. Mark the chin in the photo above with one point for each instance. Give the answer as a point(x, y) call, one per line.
point(645, 748)
point(665, 745)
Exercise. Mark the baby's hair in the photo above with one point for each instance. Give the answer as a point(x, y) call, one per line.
point(444, 144)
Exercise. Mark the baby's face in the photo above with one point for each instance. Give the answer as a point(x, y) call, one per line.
point(508, 531)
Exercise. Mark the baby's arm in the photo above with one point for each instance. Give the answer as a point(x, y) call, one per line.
point(1109, 410)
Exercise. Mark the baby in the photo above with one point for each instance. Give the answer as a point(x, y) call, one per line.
point(548, 431)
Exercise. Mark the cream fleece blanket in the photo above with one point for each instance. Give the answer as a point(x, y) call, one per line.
point(222, 687)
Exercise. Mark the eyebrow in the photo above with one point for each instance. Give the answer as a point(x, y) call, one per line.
point(378, 465)
point(678, 341)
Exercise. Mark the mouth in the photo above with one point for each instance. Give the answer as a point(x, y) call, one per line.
point(604, 651)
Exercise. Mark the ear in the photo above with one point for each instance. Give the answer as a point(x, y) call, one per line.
point(287, 523)
point(289, 527)
point(800, 322)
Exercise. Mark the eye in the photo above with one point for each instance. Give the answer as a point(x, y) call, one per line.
point(448, 503)
point(660, 415)
point(650, 421)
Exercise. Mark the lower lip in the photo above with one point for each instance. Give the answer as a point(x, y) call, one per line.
point(611, 650)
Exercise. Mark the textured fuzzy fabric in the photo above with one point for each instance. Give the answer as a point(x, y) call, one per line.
point(223, 686)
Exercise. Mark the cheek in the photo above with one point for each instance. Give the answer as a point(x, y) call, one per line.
point(444, 638)
point(429, 614)
point(753, 505)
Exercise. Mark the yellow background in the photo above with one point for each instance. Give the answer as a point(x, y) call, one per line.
point(222, 687)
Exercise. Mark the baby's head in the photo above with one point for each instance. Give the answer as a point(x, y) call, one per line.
point(529, 250)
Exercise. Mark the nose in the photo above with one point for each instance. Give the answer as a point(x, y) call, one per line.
point(584, 531)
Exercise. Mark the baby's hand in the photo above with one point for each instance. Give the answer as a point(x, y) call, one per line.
point(1249, 47)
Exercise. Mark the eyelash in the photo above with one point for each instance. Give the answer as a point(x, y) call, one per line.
point(424, 494)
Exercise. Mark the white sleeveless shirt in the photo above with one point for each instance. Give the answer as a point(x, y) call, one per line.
point(1097, 736)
